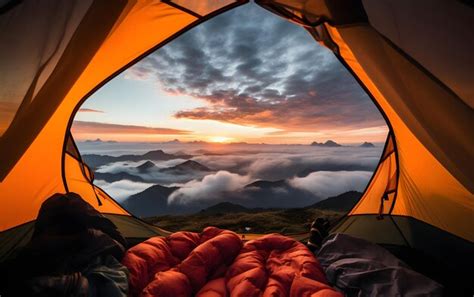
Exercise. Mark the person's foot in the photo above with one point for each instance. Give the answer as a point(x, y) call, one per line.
point(319, 231)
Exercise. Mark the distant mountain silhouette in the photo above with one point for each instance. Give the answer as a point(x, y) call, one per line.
point(224, 207)
point(98, 140)
point(272, 194)
point(93, 140)
point(146, 167)
point(328, 143)
point(186, 167)
point(151, 202)
point(256, 196)
point(95, 161)
point(265, 184)
point(367, 144)
point(113, 177)
point(343, 202)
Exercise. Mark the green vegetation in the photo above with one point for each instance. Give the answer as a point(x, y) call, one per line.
point(288, 221)
point(235, 217)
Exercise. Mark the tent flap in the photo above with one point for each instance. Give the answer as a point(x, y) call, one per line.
point(98, 40)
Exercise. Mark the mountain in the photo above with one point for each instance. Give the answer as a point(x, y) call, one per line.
point(257, 196)
point(160, 155)
point(151, 202)
point(367, 144)
point(146, 167)
point(95, 161)
point(265, 184)
point(238, 218)
point(271, 194)
point(186, 167)
point(223, 208)
point(343, 202)
point(113, 177)
point(328, 143)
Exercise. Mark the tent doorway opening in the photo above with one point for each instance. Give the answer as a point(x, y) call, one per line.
point(248, 126)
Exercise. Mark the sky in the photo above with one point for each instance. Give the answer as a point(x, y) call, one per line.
point(243, 76)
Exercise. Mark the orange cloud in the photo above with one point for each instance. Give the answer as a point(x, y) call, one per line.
point(108, 128)
point(90, 110)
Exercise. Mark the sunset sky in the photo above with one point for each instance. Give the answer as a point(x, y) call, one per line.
point(245, 75)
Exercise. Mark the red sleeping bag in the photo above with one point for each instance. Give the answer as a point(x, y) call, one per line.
point(214, 264)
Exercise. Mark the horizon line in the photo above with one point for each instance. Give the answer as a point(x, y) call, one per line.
point(176, 141)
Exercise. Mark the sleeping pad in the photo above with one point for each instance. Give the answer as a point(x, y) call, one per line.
point(215, 263)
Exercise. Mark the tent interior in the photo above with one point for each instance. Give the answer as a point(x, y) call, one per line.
point(413, 58)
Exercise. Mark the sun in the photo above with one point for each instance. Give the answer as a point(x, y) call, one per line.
point(220, 139)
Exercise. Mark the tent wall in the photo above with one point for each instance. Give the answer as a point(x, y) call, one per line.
point(431, 123)
point(415, 104)
point(436, 33)
point(78, 183)
point(110, 36)
point(379, 196)
point(36, 54)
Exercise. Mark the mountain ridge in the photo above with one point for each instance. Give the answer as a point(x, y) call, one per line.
point(95, 160)
point(187, 166)
point(328, 143)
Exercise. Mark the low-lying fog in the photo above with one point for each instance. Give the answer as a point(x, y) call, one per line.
point(319, 172)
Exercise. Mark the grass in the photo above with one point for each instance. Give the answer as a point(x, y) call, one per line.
point(288, 221)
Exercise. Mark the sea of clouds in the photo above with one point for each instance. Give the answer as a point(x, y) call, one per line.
point(324, 172)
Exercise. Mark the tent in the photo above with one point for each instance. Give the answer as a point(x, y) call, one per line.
point(414, 58)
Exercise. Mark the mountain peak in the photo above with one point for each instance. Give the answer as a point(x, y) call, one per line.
point(328, 143)
point(188, 165)
point(150, 202)
point(367, 144)
point(224, 207)
point(146, 166)
point(342, 202)
point(266, 184)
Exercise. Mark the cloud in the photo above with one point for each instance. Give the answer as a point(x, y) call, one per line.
point(154, 175)
point(122, 189)
point(328, 183)
point(131, 166)
point(108, 128)
point(312, 172)
point(222, 181)
point(90, 110)
point(273, 162)
point(258, 75)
